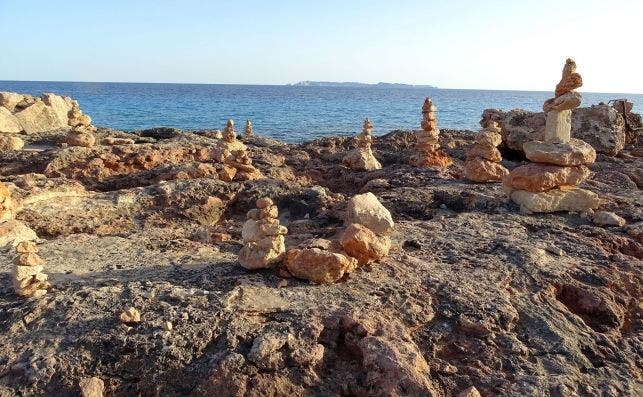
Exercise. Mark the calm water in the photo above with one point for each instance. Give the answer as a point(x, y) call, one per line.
point(290, 113)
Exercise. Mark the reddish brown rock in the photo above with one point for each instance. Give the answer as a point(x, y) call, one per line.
point(361, 243)
point(318, 266)
point(541, 177)
point(484, 171)
point(570, 80)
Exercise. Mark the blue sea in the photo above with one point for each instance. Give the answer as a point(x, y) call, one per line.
point(290, 113)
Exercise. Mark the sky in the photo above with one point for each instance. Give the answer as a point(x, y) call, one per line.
point(490, 44)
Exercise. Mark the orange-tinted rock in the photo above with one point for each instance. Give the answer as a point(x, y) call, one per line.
point(575, 152)
point(361, 243)
point(570, 80)
point(435, 160)
point(486, 152)
point(541, 177)
point(481, 170)
point(318, 266)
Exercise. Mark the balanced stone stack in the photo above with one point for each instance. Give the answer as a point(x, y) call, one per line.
point(549, 184)
point(483, 159)
point(82, 130)
point(263, 237)
point(28, 278)
point(361, 158)
point(248, 132)
point(237, 165)
point(427, 147)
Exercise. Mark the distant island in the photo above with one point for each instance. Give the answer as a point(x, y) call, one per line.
point(354, 84)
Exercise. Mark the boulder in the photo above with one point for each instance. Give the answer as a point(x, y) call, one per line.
point(9, 100)
point(576, 152)
point(564, 198)
point(8, 122)
point(318, 266)
point(481, 170)
point(61, 106)
point(39, 118)
point(10, 143)
point(602, 126)
point(540, 177)
point(361, 243)
point(365, 209)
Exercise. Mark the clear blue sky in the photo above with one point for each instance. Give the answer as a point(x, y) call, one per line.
point(452, 44)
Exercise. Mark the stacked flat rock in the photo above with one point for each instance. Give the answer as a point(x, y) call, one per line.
point(248, 132)
point(361, 158)
point(483, 159)
point(237, 165)
point(28, 278)
point(263, 237)
point(549, 184)
point(82, 130)
point(427, 147)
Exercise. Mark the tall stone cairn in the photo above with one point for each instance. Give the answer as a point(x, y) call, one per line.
point(28, 278)
point(559, 163)
point(263, 237)
point(362, 158)
point(248, 132)
point(483, 159)
point(427, 147)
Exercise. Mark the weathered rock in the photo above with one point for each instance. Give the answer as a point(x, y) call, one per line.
point(116, 141)
point(83, 139)
point(130, 316)
point(91, 387)
point(558, 126)
point(318, 266)
point(9, 100)
point(8, 122)
point(10, 143)
point(564, 198)
point(606, 218)
point(13, 232)
point(570, 80)
point(576, 152)
point(540, 177)
point(28, 279)
point(362, 244)
point(567, 101)
point(39, 118)
point(485, 152)
point(469, 392)
point(365, 209)
point(483, 171)
point(61, 106)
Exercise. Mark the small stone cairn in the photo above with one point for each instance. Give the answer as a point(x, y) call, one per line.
point(28, 278)
point(82, 130)
point(483, 159)
point(559, 163)
point(263, 237)
point(427, 147)
point(237, 165)
point(361, 158)
point(248, 132)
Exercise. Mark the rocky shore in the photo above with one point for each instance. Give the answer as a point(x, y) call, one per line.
point(140, 234)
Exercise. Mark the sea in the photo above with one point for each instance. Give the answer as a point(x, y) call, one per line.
point(290, 113)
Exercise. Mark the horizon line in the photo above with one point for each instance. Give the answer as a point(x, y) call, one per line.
point(419, 86)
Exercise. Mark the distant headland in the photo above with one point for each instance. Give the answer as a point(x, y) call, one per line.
point(355, 84)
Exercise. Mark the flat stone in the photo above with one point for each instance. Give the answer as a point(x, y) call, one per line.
point(565, 198)
point(566, 101)
point(575, 152)
point(536, 177)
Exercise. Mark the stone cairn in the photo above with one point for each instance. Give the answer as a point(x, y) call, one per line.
point(82, 130)
point(483, 159)
point(559, 163)
point(263, 237)
point(248, 132)
point(237, 165)
point(28, 278)
point(7, 204)
point(427, 147)
point(361, 158)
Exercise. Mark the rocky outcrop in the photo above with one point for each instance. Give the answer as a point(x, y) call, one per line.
point(10, 143)
point(8, 122)
point(263, 237)
point(483, 159)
